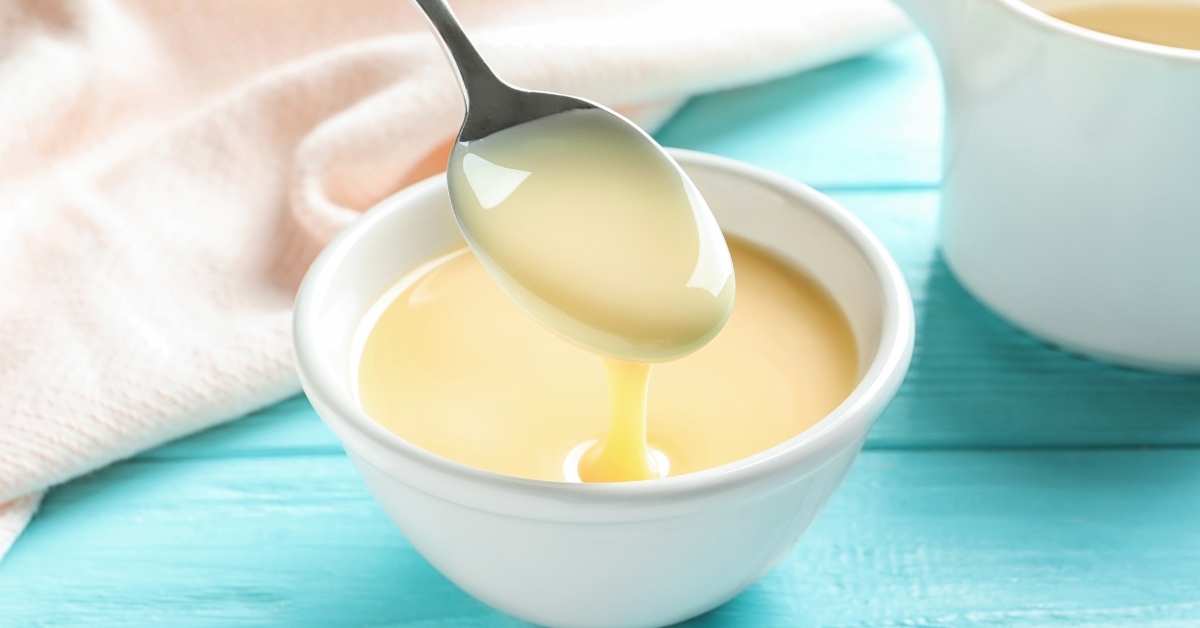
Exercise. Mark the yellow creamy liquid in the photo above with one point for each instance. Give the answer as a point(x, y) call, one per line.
point(455, 367)
point(1165, 24)
point(624, 453)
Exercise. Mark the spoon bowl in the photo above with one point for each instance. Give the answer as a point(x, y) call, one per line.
point(581, 217)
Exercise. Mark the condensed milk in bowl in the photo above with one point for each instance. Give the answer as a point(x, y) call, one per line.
point(469, 422)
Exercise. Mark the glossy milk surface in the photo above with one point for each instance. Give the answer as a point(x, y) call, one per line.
point(453, 366)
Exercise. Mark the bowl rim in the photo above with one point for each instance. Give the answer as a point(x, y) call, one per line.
point(1052, 24)
point(845, 426)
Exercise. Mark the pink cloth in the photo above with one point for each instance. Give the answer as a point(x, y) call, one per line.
point(168, 169)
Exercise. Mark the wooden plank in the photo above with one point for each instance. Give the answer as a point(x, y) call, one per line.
point(912, 538)
point(1101, 538)
point(868, 122)
point(284, 539)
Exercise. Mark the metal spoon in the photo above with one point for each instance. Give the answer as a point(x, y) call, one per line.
point(581, 217)
point(492, 104)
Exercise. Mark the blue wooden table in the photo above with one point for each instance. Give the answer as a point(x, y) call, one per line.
point(1009, 484)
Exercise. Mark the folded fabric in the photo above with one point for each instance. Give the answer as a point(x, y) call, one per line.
point(168, 169)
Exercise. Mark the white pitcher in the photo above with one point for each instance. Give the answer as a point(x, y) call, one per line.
point(1071, 192)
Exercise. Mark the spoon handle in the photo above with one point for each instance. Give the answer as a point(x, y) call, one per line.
point(492, 104)
point(474, 75)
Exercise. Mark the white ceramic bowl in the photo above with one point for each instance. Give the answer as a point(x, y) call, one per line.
point(633, 554)
point(1071, 188)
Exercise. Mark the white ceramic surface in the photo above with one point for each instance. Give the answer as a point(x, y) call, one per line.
point(1071, 195)
point(633, 554)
